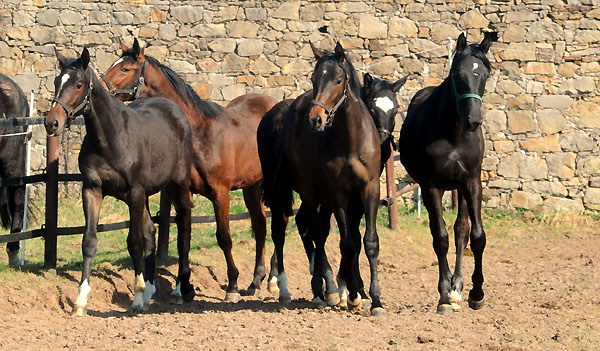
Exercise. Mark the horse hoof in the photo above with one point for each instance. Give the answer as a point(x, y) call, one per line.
point(232, 297)
point(332, 299)
point(366, 304)
point(176, 300)
point(355, 305)
point(285, 299)
point(80, 311)
point(319, 304)
point(378, 312)
point(189, 296)
point(138, 309)
point(343, 303)
point(272, 287)
point(445, 309)
point(455, 306)
point(476, 305)
point(13, 258)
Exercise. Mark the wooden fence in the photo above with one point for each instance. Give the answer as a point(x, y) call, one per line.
point(50, 230)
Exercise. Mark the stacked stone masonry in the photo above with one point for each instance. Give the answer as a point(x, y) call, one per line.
point(542, 103)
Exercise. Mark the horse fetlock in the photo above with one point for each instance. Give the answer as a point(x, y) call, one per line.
point(272, 285)
point(455, 296)
point(356, 304)
point(13, 257)
point(332, 299)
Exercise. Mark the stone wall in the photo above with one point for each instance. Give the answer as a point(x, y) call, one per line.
point(542, 121)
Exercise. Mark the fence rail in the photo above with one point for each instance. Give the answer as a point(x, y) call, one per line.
point(50, 231)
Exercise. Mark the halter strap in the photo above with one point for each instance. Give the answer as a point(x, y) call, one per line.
point(458, 97)
point(71, 113)
point(135, 91)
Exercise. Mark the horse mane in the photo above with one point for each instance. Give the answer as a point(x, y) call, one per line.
point(472, 50)
point(205, 108)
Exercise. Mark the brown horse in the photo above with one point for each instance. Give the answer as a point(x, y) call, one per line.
point(225, 155)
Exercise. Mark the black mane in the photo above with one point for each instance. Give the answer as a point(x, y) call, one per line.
point(205, 108)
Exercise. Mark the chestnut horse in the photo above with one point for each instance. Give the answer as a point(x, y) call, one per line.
point(225, 155)
point(128, 152)
point(330, 153)
point(13, 103)
point(379, 96)
point(441, 147)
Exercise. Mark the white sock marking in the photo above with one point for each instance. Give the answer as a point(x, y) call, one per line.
point(84, 290)
point(149, 292)
point(282, 283)
point(384, 103)
point(139, 286)
point(273, 280)
point(177, 291)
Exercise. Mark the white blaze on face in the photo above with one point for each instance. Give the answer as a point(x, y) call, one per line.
point(117, 62)
point(384, 103)
point(63, 80)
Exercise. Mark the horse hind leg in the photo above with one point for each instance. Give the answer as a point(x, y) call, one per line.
point(184, 290)
point(16, 206)
point(477, 236)
point(461, 237)
point(221, 208)
point(258, 219)
point(149, 237)
point(135, 245)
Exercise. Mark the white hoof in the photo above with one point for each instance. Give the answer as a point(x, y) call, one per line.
point(80, 311)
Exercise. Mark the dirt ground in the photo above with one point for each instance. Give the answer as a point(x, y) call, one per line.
point(542, 293)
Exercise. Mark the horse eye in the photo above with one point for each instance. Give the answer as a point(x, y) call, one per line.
point(79, 85)
point(339, 81)
point(124, 69)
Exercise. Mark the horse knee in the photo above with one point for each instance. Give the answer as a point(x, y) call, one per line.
point(441, 245)
point(478, 240)
point(224, 241)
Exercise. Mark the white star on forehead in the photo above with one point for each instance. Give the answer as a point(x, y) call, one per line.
point(475, 65)
point(384, 103)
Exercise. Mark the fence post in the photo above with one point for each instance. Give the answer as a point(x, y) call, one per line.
point(51, 201)
point(391, 191)
point(164, 223)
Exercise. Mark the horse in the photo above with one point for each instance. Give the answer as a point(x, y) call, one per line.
point(128, 152)
point(224, 151)
point(330, 152)
point(379, 96)
point(13, 103)
point(441, 147)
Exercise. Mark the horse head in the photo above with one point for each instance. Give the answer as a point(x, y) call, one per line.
point(379, 96)
point(331, 84)
point(468, 74)
point(72, 92)
point(126, 76)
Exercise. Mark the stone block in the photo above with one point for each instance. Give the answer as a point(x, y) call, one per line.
point(371, 27)
point(540, 68)
point(222, 45)
point(312, 12)
point(521, 102)
point(586, 36)
point(507, 86)
point(232, 91)
point(545, 187)
point(591, 198)
point(186, 14)
point(263, 66)
point(182, 67)
point(256, 14)
point(503, 184)
point(288, 10)
point(17, 33)
point(22, 19)
point(68, 17)
point(402, 27)
point(209, 30)
point(551, 121)
point(577, 141)
point(532, 167)
point(541, 144)
point(559, 204)
point(167, 32)
point(411, 65)
point(159, 52)
point(494, 121)
point(250, 47)
point(520, 121)
point(98, 17)
point(233, 63)
point(243, 29)
point(544, 30)
point(122, 18)
point(522, 199)
point(296, 66)
point(591, 166)
point(426, 48)
point(504, 146)
point(518, 51)
point(559, 102)
point(473, 19)
point(586, 114)
point(508, 167)
point(384, 66)
point(48, 17)
point(514, 33)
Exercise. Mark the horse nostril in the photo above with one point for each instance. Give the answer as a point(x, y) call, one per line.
point(55, 124)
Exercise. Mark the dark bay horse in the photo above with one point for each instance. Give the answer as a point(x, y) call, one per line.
point(13, 103)
point(331, 152)
point(129, 152)
point(441, 147)
point(224, 151)
point(379, 96)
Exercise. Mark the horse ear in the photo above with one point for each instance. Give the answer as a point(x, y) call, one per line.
point(84, 59)
point(136, 48)
point(318, 53)
point(461, 43)
point(488, 38)
point(399, 83)
point(339, 52)
point(62, 61)
point(367, 80)
point(124, 47)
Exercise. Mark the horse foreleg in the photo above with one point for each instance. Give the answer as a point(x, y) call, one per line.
point(258, 219)
point(221, 207)
point(92, 202)
point(184, 290)
point(279, 223)
point(331, 293)
point(16, 206)
point(461, 237)
point(355, 214)
point(149, 237)
point(370, 201)
point(348, 252)
point(432, 198)
point(135, 245)
point(473, 198)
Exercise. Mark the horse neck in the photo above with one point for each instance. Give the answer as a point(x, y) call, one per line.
point(159, 85)
point(349, 124)
point(103, 120)
point(449, 120)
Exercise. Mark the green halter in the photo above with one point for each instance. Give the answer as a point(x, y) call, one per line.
point(458, 97)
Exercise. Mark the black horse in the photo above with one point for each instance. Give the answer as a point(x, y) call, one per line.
point(129, 152)
point(13, 103)
point(330, 152)
point(441, 147)
point(379, 96)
